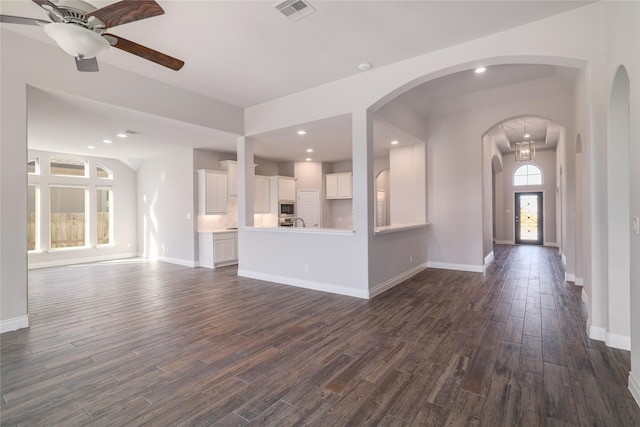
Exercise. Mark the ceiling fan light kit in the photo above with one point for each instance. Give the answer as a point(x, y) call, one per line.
point(79, 29)
point(75, 40)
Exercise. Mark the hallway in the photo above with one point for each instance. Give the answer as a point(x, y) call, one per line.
point(136, 342)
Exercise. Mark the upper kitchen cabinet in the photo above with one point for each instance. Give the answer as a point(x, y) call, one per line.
point(212, 192)
point(231, 166)
point(285, 187)
point(339, 185)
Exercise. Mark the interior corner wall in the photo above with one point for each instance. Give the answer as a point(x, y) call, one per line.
point(166, 208)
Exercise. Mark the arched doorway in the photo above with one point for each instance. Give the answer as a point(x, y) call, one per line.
point(500, 139)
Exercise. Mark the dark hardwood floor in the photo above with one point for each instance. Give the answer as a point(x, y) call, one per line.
point(139, 343)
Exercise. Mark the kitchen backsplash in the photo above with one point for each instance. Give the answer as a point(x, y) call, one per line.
point(208, 223)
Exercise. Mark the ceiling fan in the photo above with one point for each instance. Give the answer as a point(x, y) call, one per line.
point(80, 29)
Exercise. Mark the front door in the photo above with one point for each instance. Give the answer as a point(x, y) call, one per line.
point(528, 209)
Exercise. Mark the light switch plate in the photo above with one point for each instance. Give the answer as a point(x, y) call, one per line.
point(636, 225)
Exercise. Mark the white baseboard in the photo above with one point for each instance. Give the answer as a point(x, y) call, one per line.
point(622, 342)
point(14, 324)
point(569, 277)
point(84, 260)
point(185, 262)
point(634, 387)
point(307, 284)
point(489, 258)
point(385, 286)
point(598, 333)
point(551, 244)
point(579, 281)
point(505, 242)
point(458, 267)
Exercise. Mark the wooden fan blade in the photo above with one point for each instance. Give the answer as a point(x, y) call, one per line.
point(145, 52)
point(20, 20)
point(126, 11)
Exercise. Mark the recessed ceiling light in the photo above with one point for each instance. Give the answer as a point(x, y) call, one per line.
point(122, 135)
point(394, 142)
point(308, 159)
point(302, 132)
point(480, 70)
point(527, 135)
point(309, 150)
point(107, 141)
point(365, 66)
point(91, 147)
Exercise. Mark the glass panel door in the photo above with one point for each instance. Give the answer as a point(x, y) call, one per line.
point(528, 219)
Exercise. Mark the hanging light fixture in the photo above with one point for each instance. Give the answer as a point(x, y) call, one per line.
point(525, 149)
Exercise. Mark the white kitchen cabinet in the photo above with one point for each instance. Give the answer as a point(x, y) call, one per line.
point(212, 192)
point(261, 195)
point(286, 188)
point(282, 188)
point(231, 166)
point(339, 185)
point(218, 249)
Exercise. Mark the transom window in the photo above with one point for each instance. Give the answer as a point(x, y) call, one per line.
point(33, 167)
point(65, 166)
point(528, 174)
point(103, 172)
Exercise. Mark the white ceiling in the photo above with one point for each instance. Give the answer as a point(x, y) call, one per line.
point(245, 52)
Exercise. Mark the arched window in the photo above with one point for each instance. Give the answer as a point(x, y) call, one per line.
point(527, 175)
point(103, 172)
point(33, 166)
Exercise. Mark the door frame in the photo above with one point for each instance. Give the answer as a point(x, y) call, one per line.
point(541, 221)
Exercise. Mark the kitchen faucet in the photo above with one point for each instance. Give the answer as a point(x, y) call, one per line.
point(296, 219)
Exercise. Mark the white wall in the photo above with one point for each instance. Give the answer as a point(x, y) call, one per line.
point(622, 47)
point(166, 208)
point(123, 186)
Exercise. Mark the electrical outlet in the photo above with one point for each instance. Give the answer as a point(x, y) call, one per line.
point(306, 267)
point(636, 225)
point(410, 258)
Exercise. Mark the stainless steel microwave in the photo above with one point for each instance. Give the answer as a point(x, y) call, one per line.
point(286, 208)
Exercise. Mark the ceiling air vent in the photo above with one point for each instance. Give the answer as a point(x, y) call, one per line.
point(295, 9)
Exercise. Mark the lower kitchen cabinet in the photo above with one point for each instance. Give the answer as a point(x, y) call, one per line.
point(218, 249)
